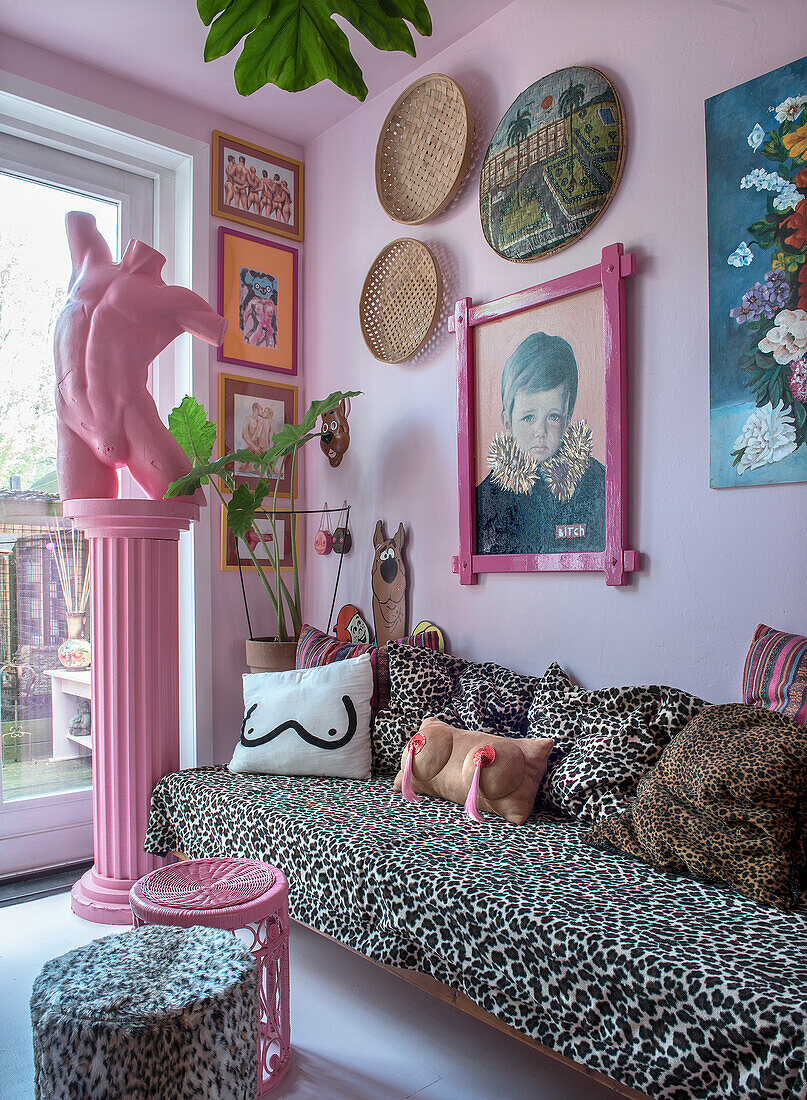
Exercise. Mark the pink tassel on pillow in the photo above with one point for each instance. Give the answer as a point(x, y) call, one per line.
point(483, 758)
point(416, 743)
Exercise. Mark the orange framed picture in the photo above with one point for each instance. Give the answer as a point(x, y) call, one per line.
point(258, 296)
point(256, 187)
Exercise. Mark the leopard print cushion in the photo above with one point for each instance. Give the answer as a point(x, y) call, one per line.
point(677, 988)
point(727, 802)
point(484, 697)
point(158, 1013)
point(605, 741)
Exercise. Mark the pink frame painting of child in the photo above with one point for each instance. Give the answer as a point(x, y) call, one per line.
point(541, 440)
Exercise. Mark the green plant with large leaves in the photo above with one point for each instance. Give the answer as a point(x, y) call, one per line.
point(189, 425)
point(296, 43)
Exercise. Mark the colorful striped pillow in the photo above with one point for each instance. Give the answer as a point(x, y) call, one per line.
point(317, 648)
point(775, 676)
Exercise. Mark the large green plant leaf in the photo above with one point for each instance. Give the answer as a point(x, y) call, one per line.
point(296, 43)
point(190, 427)
point(241, 511)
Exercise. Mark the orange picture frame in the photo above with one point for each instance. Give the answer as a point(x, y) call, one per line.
point(257, 293)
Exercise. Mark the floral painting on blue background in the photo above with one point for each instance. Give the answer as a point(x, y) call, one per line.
point(756, 159)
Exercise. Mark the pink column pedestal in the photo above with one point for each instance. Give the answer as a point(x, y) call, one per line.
point(135, 685)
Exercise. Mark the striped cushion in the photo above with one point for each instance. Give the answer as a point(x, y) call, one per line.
point(316, 648)
point(775, 675)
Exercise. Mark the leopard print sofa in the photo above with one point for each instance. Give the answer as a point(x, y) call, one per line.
point(674, 987)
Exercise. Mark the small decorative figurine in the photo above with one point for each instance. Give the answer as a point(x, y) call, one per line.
point(350, 625)
point(335, 438)
point(117, 319)
point(388, 578)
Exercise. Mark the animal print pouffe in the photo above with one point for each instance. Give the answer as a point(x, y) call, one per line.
point(151, 1014)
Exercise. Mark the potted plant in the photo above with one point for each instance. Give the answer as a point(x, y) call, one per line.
point(189, 425)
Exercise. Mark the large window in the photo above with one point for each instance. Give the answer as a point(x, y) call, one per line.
point(45, 708)
point(61, 149)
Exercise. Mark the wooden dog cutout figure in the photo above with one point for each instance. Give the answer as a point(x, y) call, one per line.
point(388, 577)
point(335, 438)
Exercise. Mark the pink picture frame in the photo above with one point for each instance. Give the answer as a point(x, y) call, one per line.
point(258, 294)
point(575, 319)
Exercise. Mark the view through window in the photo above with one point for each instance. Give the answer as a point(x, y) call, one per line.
point(44, 703)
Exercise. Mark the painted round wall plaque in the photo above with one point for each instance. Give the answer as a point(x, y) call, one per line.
point(553, 164)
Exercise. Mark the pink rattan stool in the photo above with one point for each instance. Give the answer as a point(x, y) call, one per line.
point(233, 894)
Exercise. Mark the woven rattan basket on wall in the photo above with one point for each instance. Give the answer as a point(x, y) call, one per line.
point(400, 300)
point(424, 149)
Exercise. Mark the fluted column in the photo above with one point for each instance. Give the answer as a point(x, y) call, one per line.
point(135, 685)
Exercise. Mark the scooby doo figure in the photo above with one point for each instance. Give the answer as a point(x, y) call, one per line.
point(335, 438)
point(388, 578)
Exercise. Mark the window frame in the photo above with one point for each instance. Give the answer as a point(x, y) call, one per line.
point(178, 168)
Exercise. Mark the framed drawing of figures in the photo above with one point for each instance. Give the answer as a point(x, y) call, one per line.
point(257, 187)
point(258, 296)
point(233, 550)
point(251, 413)
point(541, 441)
point(756, 171)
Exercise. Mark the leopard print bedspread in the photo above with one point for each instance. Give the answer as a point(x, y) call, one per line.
point(676, 988)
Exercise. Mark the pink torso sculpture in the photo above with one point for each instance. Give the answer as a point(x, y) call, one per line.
point(117, 319)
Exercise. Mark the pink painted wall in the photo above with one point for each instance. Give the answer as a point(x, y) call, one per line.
point(715, 563)
point(229, 626)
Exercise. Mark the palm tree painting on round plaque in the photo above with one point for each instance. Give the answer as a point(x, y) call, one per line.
point(553, 164)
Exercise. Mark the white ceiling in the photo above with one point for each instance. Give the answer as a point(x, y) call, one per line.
point(160, 43)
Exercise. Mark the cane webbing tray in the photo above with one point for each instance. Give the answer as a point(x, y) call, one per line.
point(400, 300)
point(207, 883)
point(424, 149)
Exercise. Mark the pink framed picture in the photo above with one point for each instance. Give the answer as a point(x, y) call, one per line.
point(540, 427)
point(257, 294)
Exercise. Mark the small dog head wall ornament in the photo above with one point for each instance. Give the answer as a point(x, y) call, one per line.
point(388, 578)
point(351, 627)
point(335, 438)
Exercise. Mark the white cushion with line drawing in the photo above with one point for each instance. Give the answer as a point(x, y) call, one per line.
point(313, 721)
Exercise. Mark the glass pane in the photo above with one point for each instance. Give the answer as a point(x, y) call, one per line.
point(44, 707)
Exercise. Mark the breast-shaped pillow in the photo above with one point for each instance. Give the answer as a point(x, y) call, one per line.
point(482, 771)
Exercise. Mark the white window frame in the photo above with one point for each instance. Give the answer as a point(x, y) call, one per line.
point(180, 169)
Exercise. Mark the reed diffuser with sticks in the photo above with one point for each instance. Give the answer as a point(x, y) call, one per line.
point(73, 569)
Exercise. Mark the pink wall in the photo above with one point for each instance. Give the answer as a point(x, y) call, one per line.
point(715, 563)
point(55, 71)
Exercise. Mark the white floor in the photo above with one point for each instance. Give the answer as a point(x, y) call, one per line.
point(358, 1033)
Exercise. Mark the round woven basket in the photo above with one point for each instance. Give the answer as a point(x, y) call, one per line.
point(400, 300)
point(424, 149)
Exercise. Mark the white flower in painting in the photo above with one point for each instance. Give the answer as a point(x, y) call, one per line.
point(790, 109)
point(768, 436)
point(756, 137)
point(741, 256)
point(786, 341)
point(761, 180)
point(788, 198)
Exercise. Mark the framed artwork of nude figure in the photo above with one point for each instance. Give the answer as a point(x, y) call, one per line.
point(541, 433)
point(258, 296)
point(251, 413)
point(257, 187)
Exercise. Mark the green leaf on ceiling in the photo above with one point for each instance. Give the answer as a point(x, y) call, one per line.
point(296, 43)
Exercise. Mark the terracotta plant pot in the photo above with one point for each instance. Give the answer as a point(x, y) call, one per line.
point(270, 655)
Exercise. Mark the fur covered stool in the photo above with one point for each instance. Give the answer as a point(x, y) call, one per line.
point(158, 1013)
